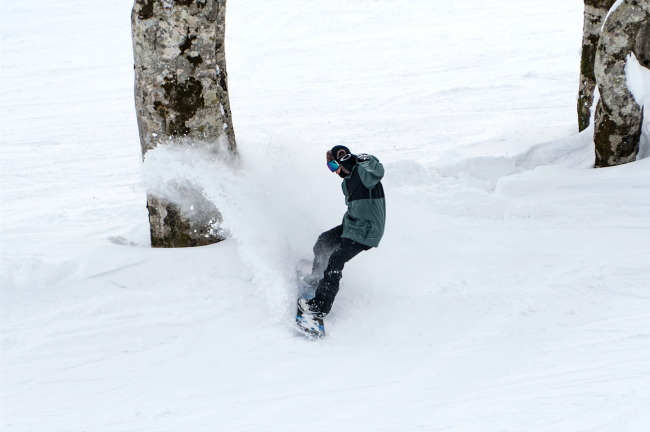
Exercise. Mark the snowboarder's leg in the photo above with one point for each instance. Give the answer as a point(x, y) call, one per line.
point(327, 243)
point(328, 287)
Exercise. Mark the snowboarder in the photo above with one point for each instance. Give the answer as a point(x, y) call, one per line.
point(362, 227)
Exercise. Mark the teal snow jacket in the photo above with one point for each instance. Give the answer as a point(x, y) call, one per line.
point(364, 195)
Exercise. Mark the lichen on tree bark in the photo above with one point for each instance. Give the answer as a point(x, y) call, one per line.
point(595, 13)
point(618, 117)
point(181, 94)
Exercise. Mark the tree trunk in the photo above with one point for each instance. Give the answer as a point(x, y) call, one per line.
point(181, 93)
point(595, 13)
point(618, 117)
point(642, 45)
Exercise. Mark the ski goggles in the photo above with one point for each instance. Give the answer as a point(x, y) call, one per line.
point(346, 157)
point(333, 166)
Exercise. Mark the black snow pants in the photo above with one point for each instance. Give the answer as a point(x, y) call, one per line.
point(331, 253)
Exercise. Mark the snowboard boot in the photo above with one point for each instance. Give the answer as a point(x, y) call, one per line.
point(309, 308)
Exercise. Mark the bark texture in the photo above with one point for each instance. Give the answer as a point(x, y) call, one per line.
point(595, 13)
point(642, 45)
point(181, 92)
point(618, 117)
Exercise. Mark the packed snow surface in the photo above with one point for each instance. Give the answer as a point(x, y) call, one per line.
point(510, 292)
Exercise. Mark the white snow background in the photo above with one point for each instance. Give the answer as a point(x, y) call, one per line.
point(510, 293)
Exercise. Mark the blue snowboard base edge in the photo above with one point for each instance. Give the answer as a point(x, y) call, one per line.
point(309, 326)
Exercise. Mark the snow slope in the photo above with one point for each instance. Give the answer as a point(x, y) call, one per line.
point(509, 293)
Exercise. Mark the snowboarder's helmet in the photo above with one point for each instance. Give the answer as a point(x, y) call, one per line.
point(339, 151)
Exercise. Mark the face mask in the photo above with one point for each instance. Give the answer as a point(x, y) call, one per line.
point(343, 174)
point(348, 162)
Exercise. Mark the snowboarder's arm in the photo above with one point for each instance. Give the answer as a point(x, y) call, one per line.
point(371, 170)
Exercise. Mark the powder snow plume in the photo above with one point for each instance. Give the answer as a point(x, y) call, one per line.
point(259, 196)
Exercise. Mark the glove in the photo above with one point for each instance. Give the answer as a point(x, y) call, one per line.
point(363, 157)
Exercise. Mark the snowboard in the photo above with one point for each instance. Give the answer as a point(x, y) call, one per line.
point(307, 325)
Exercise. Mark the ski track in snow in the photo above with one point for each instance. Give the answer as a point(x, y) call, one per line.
point(509, 293)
